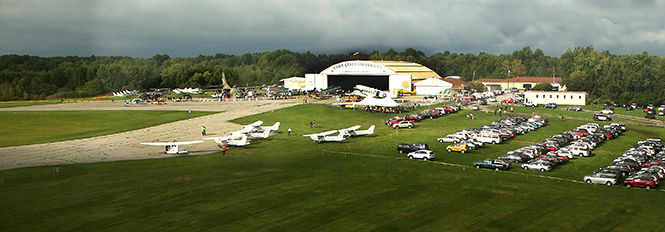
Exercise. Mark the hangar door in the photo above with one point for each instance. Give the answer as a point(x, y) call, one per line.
point(347, 82)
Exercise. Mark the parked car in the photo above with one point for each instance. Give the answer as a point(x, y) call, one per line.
point(550, 106)
point(492, 164)
point(537, 165)
point(475, 107)
point(530, 104)
point(462, 148)
point(575, 108)
point(403, 124)
point(644, 182)
point(406, 148)
point(603, 178)
point(606, 111)
point(421, 154)
point(492, 99)
point(488, 138)
point(601, 117)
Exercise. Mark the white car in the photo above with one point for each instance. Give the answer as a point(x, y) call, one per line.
point(602, 178)
point(578, 151)
point(488, 138)
point(492, 99)
point(607, 111)
point(530, 104)
point(565, 153)
point(403, 124)
point(421, 154)
point(449, 139)
point(540, 166)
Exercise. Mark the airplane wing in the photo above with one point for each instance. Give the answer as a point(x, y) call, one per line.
point(172, 143)
point(322, 133)
point(353, 128)
point(257, 123)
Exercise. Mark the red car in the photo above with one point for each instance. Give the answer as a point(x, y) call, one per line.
point(562, 158)
point(399, 120)
point(508, 101)
point(654, 163)
point(643, 182)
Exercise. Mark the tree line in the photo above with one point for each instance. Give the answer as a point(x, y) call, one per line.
point(606, 77)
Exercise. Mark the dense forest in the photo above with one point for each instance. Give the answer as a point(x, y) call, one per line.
point(607, 77)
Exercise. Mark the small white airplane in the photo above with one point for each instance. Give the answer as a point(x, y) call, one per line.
point(274, 127)
point(233, 140)
point(254, 127)
point(324, 136)
point(172, 147)
point(353, 131)
point(262, 135)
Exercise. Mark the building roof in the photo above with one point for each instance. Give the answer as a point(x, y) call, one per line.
point(457, 83)
point(433, 82)
point(522, 79)
point(382, 67)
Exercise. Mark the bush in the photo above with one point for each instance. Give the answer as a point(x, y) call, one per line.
point(73, 94)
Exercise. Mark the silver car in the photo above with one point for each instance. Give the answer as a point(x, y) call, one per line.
point(602, 178)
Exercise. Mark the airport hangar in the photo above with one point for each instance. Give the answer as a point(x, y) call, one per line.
point(382, 75)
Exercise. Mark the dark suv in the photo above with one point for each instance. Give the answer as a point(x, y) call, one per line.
point(406, 148)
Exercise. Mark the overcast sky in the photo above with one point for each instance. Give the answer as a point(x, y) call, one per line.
point(141, 28)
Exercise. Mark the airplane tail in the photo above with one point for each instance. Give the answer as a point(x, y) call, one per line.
point(371, 130)
point(276, 126)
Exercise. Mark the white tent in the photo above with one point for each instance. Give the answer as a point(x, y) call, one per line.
point(432, 86)
point(370, 101)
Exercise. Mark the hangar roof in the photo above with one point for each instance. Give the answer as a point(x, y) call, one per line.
point(417, 71)
point(382, 68)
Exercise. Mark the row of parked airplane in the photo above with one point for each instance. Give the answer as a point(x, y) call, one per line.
point(238, 138)
point(341, 134)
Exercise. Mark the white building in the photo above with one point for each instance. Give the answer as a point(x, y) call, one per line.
point(432, 86)
point(382, 75)
point(560, 98)
point(292, 83)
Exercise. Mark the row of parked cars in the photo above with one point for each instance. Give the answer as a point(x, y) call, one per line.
point(494, 133)
point(643, 165)
point(548, 154)
point(409, 121)
point(578, 142)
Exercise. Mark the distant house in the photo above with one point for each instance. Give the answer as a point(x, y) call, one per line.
point(560, 98)
point(521, 83)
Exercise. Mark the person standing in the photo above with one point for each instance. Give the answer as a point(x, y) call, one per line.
point(310, 124)
point(314, 123)
point(224, 150)
point(203, 130)
point(289, 131)
point(511, 109)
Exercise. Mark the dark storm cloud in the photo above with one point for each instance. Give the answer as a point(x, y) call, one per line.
point(190, 28)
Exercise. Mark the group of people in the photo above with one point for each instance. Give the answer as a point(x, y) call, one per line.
point(382, 109)
point(312, 124)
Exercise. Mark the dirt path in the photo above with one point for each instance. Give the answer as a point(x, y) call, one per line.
point(125, 146)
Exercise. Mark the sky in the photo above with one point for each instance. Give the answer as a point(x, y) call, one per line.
point(183, 28)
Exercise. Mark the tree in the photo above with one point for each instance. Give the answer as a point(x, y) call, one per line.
point(543, 87)
point(475, 87)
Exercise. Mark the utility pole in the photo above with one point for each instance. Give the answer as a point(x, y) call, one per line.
point(473, 78)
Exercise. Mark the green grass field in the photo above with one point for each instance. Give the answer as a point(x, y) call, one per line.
point(291, 184)
point(8, 104)
point(30, 127)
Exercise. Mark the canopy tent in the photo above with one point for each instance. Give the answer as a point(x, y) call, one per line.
point(384, 102)
point(432, 86)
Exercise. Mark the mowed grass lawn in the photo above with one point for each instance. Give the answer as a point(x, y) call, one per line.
point(30, 127)
point(291, 184)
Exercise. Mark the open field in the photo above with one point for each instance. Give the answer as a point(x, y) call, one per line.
point(289, 183)
point(30, 127)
